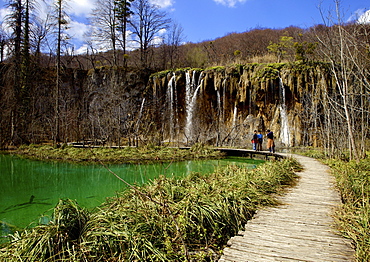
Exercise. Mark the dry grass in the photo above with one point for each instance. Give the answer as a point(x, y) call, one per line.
point(117, 155)
point(165, 220)
point(353, 218)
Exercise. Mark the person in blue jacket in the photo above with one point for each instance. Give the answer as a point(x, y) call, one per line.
point(260, 141)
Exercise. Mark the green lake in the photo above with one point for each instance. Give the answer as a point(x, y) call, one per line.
point(31, 189)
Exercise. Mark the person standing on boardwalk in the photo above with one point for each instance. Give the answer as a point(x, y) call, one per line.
point(254, 140)
point(260, 141)
point(270, 141)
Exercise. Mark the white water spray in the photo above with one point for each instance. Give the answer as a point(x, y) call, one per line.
point(140, 114)
point(171, 105)
point(284, 128)
point(235, 116)
point(192, 90)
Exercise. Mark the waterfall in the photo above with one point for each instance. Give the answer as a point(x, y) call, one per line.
point(171, 105)
point(224, 101)
point(235, 116)
point(188, 98)
point(284, 128)
point(192, 90)
point(219, 108)
point(140, 114)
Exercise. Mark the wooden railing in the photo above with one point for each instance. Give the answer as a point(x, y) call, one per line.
point(250, 153)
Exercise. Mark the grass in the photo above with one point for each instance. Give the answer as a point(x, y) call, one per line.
point(117, 156)
point(353, 218)
point(188, 219)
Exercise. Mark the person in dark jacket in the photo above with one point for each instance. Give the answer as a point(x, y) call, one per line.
point(254, 140)
point(270, 141)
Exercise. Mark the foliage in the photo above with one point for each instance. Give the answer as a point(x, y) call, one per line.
point(55, 241)
point(269, 71)
point(161, 74)
point(234, 70)
point(197, 57)
point(282, 48)
point(166, 220)
point(353, 218)
point(117, 155)
point(318, 154)
point(302, 49)
point(165, 72)
point(237, 52)
point(301, 66)
point(216, 68)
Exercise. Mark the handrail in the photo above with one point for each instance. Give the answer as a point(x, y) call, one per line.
point(250, 153)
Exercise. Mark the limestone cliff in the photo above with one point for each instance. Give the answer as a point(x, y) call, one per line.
point(223, 105)
point(220, 106)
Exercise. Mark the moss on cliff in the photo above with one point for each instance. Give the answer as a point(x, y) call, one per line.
point(240, 98)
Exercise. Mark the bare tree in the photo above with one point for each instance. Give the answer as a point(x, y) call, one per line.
point(147, 22)
point(343, 46)
point(41, 29)
point(171, 43)
point(104, 22)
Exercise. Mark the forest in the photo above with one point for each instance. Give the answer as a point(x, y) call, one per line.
point(48, 93)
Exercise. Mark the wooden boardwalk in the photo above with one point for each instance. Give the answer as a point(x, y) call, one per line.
point(299, 230)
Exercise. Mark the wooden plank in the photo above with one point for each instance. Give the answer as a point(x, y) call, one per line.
point(287, 241)
point(292, 252)
point(298, 230)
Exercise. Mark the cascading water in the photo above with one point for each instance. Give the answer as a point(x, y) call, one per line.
point(171, 106)
point(140, 114)
point(235, 116)
point(284, 128)
point(188, 98)
point(222, 107)
point(219, 105)
point(192, 89)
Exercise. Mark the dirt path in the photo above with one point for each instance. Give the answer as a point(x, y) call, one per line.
point(299, 230)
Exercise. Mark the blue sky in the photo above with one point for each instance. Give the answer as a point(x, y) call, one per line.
point(209, 19)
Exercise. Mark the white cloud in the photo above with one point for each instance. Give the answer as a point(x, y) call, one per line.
point(82, 49)
point(3, 13)
point(74, 7)
point(364, 18)
point(81, 7)
point(229, 3)
point(360, 16)
point(78, 30)
point(162, 3)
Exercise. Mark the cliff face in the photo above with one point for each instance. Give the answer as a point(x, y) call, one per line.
point(223, 106)
point(220, 106)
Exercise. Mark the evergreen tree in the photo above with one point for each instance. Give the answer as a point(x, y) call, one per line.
point(62, 24)
point(123, 13)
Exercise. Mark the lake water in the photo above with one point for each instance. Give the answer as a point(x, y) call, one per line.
point(31, 189)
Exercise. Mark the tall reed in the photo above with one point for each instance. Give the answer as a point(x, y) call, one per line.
point(168, 219)
point(353, 218)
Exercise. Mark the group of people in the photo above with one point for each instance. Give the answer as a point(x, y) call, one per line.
point(257, 141)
